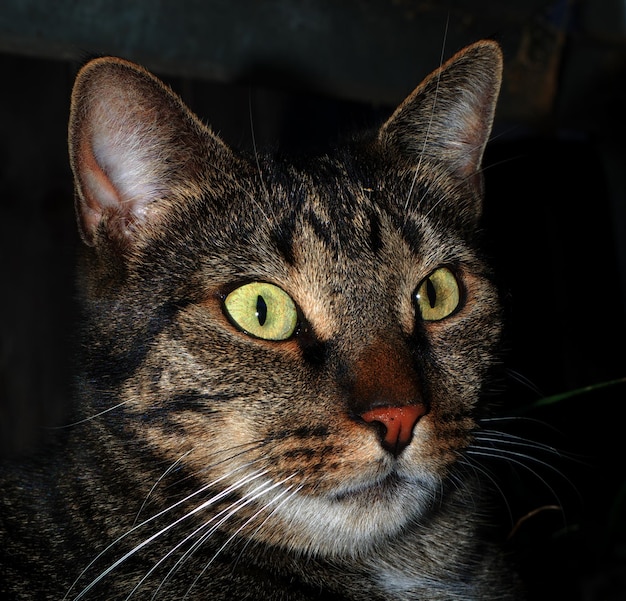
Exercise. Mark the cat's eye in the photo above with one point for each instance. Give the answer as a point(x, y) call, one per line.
point(262, 310)
point(438, 295)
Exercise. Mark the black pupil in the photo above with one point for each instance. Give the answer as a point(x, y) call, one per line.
point(431, 292)
point(261, 310)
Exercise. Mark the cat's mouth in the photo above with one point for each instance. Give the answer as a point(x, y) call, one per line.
point(385, 488)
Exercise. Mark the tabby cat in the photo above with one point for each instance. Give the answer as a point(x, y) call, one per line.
point(283, 361)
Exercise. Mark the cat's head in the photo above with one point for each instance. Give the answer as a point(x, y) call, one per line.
point(311, 337)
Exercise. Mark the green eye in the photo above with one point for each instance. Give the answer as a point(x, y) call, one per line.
point(438, 295)
point(262, 310)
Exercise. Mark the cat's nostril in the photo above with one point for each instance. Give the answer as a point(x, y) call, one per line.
point(398, 425)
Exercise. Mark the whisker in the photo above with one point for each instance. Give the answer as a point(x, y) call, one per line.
point(229, 511)
point(459, 482)
point(505, 438)
point(514, 440)
point(518, 377)
point(254, 148)
point(250, 519)
point(516, 459)
point(147, 541)
point(242, 450)
point(519, 419)
point(171, 468)
point(89, 418)
point(235, 181)
point(225, 515)
point(250, 538)
point(507, 453)
point(430, 122)
point(442, 198)
point(478, 468)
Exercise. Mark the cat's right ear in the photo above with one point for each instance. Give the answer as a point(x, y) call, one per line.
point(448, 117)
point(134, 149)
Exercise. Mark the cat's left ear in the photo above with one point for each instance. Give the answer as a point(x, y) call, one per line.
point(135, 151)
point(448, 117)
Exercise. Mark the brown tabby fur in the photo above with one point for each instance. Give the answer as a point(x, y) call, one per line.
point(205, 463)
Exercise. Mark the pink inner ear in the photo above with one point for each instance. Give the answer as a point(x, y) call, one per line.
point(117, 169)
point(97, 190)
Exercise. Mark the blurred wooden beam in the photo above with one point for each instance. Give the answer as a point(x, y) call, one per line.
point(370, 50)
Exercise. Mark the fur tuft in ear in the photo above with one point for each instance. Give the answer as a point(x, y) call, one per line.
point(448, 117)
point(133, 144)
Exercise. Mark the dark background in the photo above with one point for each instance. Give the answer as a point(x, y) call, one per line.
point(300, 74)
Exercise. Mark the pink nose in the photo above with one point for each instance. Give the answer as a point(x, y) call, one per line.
point(398, 422)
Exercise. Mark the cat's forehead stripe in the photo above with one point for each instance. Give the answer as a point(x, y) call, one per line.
point(282, 236)
point(346, 222)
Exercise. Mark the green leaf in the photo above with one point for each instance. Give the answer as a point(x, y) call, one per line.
point(563, 396)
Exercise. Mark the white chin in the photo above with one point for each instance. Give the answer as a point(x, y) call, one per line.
point(352, 520)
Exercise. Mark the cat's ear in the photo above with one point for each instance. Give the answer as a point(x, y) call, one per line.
point(134, 149)
point(448, 117)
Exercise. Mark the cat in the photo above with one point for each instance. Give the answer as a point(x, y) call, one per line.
point(283, 361)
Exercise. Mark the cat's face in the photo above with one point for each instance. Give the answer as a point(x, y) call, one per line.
point(308, 341)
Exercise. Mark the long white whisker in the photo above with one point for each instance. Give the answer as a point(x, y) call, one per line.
point(518, 377)
point(269, 515)
point(147, 541)
point(514, 440)
point(241, 450)
point(254, 147)
point(509, 454)
point(228, 510)
point(225, 515)
point(250, 519)
point(516, 459)
point(474, 465)
point(430, 122)
point(517, 418)
point(170, 469)
point(456, 478)
point(89, 418)
point(503, 439)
